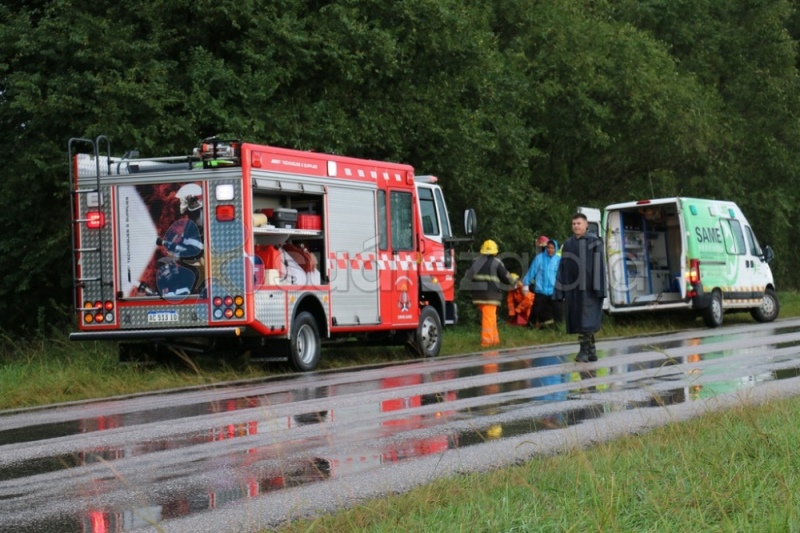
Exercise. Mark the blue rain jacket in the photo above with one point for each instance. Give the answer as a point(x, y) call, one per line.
point(542, 272)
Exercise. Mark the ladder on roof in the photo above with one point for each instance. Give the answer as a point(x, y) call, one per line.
point(90, 249)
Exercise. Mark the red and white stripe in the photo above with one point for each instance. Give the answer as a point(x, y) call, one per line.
point(360, 261)
point(435, 264)
point(369, 261)
point(385, 261)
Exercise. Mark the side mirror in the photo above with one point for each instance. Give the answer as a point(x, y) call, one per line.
point(768, 255)
point(470, 222)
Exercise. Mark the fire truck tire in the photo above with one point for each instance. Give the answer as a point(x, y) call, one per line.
point(305, 345)
point(712, 315)
point(426, 341)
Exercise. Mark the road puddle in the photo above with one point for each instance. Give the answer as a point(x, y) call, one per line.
point(231, 445)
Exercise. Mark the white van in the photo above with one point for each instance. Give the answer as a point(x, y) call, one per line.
point(684, 253)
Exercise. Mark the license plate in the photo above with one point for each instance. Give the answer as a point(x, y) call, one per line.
point(162, 316)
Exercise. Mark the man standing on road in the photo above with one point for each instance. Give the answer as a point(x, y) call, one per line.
point(581, 281)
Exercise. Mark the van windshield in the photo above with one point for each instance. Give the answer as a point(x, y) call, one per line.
point(755, 249)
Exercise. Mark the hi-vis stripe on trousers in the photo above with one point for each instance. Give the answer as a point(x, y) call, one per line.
point(489, 334)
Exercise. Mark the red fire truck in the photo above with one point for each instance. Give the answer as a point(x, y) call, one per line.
point(256, 248)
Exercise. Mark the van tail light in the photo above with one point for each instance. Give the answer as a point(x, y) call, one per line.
point(694, 271)
point(95, 219)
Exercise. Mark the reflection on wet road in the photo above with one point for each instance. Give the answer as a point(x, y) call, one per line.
point(120, 465)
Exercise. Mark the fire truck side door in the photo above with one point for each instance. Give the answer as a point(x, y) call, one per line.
point(437, 266)
point(403, 299)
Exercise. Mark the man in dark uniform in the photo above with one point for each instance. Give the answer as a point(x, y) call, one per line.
point(581, 281)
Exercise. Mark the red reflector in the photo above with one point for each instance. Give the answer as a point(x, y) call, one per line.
point(95, 219)
point(109, 305)
point(228, 300)
point(225, 213)
point(228, 312)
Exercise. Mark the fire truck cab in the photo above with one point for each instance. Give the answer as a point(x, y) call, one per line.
point(258, 248)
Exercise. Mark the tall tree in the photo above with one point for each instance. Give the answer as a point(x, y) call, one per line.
point(745, 53)
point(611, 115)
point(524, 109)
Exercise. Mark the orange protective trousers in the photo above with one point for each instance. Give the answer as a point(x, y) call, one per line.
point(489, 334)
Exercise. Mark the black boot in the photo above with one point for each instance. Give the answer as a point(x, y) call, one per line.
point(583, 353)
point(590, 348)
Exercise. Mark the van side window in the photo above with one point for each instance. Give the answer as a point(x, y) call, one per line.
point(755, 249)
point(733, 236)
point(594, 227)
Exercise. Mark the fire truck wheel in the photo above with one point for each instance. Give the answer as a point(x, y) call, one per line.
point(304, 346)
point(427, 340)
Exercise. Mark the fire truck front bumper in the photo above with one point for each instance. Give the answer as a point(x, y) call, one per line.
point(154, 334)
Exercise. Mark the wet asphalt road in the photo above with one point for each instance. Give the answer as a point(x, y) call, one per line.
point(253, 454)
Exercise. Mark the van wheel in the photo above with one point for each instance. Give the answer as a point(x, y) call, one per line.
point(770, 307)
point(426, 341)
point(305, 348)
point(712, 315)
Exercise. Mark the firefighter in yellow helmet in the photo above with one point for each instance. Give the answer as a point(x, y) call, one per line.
point(486, 279)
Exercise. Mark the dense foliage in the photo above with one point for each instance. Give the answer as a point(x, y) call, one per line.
point(524, 109)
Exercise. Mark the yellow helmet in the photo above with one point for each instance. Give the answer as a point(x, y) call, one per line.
point(495, 431)
point(489, 248)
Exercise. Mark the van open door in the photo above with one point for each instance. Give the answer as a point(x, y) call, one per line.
point(595, 220)
point(645, 251)
point(594, 217)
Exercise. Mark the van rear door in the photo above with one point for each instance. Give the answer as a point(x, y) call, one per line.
point(594, 217)
point(595, 220)
point(645, 255)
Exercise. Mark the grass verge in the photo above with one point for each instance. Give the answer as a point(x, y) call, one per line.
point(53, 370)
point(733, 470)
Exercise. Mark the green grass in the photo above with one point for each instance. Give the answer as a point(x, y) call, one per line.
point(52, 370)
point(56, 370)
point(734, 470)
